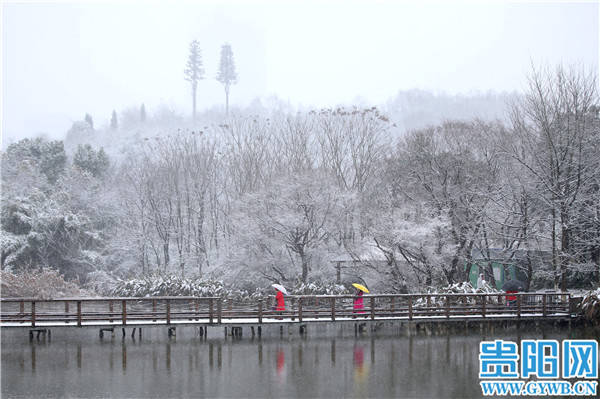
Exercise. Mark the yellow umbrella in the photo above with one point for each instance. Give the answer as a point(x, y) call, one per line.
point(360, 287)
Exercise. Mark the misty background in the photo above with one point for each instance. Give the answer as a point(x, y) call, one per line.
point(393, 143)
point(62, 60)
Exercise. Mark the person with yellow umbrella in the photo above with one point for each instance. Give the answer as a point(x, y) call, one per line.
point(359, 305)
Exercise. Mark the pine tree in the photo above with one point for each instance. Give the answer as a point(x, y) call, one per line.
point(227, 75)
point(193, 71)
point(89, 120)
point(114, 124)
point(143, 113)
point(94, 162)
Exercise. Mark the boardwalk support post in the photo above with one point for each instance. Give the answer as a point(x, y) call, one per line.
point(124, 313)
point(300, 310)
point(32, 313)
point(410, 308)
point(21, 309)
point(447, 306)
point(428, 300)
point(219, 309)
point(168, 311)
point(483, 302)
point(519, 306)
point(260, 311)
point(78, 313)
point(544, 300)
point(109, 329)
point(210, 311)
point(372, 308)
point(332, 309)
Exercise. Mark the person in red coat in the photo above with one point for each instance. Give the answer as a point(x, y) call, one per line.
point(511, 300)
point(280, 301)
point(359, 305)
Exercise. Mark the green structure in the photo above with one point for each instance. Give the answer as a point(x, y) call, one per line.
point(505, 264)
point(502, 272)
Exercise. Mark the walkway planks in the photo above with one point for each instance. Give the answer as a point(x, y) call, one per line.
point(213, 311)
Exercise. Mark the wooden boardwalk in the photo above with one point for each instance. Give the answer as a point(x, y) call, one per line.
point(32, 313)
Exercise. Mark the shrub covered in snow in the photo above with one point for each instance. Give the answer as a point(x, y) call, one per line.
point(168, 285)
point(590, 306)
point(464, 288)
point(173, 285)
point(457, 288)
point(101, 282)
point(319, 288)
point(44, 283)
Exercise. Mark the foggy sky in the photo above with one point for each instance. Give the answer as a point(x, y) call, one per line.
point(61, 60)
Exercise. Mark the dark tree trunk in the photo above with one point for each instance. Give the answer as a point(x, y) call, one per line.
point(194, 103)
point(226, 100)
point(304, 260)
point(564, 241)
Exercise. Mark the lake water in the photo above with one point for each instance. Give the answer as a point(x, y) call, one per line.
point(330, 362)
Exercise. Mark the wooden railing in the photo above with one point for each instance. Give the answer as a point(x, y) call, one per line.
point(214, 310)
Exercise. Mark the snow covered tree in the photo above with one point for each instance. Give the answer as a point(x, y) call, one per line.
point(143, 113)
point(194, 72)
point(89, 120)
point(227, 75)
point(450, 170)
point(90, 160)
point(557, 126)
point(168, 202)
point(352, 142)
point(414, 241)
point(114, 124)
point(285, 225)
point(46, 157)
point(59, 224)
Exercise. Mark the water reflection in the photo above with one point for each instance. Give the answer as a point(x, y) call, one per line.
point(219, 357)
point(333, 352)
point(366, 366)
point(360, 370)
point(33, 357)
point(260, 354)
point(280, 364)
point(168, 356)
point(123, 357)
point(78, 356)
